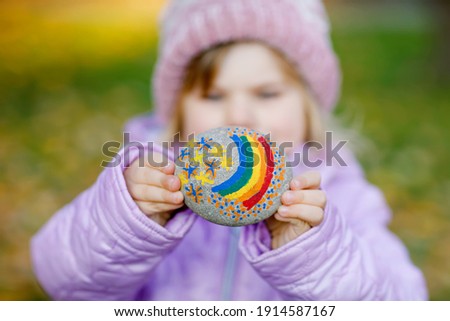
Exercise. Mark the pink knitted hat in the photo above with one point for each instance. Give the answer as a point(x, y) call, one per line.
point(298, 28)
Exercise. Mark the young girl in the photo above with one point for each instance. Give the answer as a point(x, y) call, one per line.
point(262, 64)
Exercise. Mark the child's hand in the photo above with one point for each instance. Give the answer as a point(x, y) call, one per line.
point(154, 189)
point(303, 207)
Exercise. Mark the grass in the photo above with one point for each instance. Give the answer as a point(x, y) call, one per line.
point(393, 83)
point(71, 75)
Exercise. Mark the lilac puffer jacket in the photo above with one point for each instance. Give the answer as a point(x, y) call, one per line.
point(102, 247)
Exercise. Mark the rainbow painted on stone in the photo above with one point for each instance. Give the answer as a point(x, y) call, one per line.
point(232, 187)
point(254, 174)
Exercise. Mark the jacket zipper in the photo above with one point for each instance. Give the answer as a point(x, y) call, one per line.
point(230, 264)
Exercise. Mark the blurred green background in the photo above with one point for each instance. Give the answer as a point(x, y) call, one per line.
point(71, 73)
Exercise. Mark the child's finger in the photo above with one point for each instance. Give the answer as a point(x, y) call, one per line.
point(151, 208)
point(310, 197)
point(294, 221)
point(311, 214)
point(155, 177)
point(141, 192)
point(307, 180)
point(161, 163)
point(168, 169)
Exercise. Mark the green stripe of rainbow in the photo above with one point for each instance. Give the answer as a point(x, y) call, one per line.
point(254, 174)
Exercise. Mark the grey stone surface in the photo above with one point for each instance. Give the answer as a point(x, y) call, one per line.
point(226, 178)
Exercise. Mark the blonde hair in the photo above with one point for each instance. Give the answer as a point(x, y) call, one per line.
point(202, 71)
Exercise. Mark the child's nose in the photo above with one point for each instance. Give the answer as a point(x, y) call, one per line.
point(239, 113)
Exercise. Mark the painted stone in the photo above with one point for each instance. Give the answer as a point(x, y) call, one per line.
point(232, 176)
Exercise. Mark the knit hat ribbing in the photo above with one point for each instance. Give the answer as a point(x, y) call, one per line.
point(298, 28)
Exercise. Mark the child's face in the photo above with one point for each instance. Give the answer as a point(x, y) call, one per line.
point(250, 90)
